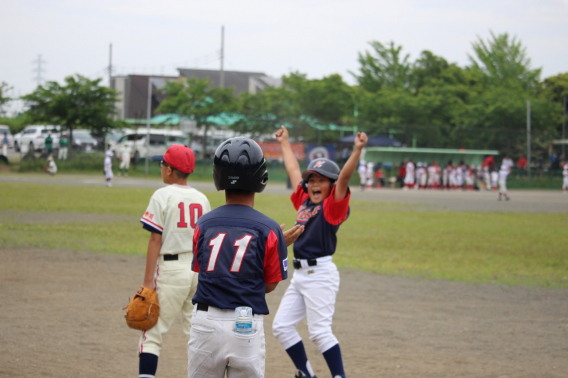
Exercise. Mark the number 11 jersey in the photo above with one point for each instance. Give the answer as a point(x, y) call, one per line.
point(236, 251)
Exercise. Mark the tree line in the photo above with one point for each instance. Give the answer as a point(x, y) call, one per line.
point(428, 102)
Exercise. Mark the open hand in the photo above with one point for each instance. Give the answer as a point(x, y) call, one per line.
point(292, 234)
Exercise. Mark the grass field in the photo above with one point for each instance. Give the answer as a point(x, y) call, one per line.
point(509, 248)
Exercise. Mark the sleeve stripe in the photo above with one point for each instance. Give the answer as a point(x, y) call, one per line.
point(152, 224)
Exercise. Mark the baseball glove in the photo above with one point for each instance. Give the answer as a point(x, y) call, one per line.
point(143, 309)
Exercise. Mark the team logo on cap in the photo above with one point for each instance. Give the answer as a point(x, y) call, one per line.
point(319, 164)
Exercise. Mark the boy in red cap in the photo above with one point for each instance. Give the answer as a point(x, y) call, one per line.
point(170, 218)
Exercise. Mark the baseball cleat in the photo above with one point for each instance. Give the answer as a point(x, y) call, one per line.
point(299, 374)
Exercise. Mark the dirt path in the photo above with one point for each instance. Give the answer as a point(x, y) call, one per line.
point(61, 316)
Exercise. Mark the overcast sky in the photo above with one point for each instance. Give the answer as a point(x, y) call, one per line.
point(318, 37)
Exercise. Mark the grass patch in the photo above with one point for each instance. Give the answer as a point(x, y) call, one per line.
point(508, 248)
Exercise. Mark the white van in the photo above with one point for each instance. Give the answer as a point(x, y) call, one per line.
point(160, 141)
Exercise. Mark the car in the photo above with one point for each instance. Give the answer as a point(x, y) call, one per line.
point(160, 141)
point(83, 141)
point(32, 138)
point(6, 129)
point(112, 137)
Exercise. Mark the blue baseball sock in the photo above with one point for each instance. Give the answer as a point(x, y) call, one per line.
point(148, 365)
point(334, 361)
point(297, 353)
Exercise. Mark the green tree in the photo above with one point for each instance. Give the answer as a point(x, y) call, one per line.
point(4, 88)
point(504, 62)
point(79, 102)
point(197, 99)
point(384, 67)
point(263, 112)
point(555, 87)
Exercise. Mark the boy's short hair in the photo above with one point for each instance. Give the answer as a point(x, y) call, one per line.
point(180, 175)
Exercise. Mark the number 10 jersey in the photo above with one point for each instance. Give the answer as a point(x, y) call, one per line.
point(173, 212)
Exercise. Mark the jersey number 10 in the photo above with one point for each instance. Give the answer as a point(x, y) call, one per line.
point(195, 211)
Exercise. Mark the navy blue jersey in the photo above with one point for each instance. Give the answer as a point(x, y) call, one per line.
point(236, 251)
point(321, 223)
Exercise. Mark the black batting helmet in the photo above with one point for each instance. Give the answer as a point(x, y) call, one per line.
point(239, 164)
point(322, 166)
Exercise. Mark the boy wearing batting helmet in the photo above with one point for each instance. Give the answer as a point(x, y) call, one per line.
point(240, 255)
point(170, 217)
point(322, 202)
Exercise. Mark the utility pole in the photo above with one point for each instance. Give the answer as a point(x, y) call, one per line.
point(38, 70)
point(564, 129)
point(528, 140)
point(110, 66)
point(222, 73)
point(149, 116)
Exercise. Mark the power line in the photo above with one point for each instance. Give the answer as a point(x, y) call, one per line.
point(38, 70)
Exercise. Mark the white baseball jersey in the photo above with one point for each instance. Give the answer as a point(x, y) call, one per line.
point(173, 211)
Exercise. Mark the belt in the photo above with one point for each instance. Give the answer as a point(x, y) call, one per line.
point(202, 307)
point(311, 262)
point(170, 257)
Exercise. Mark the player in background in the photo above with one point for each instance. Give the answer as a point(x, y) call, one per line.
point(421, 176)
point(370, 174)
point(565, 180)
point(5, 145)
point(240, 255)
point(446, 173)
point(63, 147)
point(409, 177)
point(470, 177)
point(51, 167)
point(170, 218)
point(494, 179)
point(460, 175)
point(503, 173)
point(362, 170)
point(125, 156)
point(108, 168)
point(321, 199)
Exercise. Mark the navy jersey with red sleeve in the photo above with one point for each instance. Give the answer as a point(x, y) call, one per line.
point(321, 223)
point(236, 251)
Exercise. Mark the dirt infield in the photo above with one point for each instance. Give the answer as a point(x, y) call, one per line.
point(61, 316)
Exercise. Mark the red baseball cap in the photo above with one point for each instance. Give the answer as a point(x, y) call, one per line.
point(179, 157)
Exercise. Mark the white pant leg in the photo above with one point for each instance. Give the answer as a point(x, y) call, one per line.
point(214, 348)
point(311, 293)
point(565, 183)
point(5, 150)
point(290, 312)
point(502, 186)
point(175, 286)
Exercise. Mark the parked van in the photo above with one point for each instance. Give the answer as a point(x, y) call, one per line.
point(160, 141)
point(32, 138)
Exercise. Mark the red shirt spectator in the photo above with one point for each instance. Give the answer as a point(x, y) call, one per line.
point(522, 162)
point(489, 162)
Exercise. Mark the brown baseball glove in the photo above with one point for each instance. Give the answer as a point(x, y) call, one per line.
point(143, 310)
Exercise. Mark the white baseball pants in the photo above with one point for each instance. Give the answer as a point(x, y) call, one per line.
point(175, 284)
point(214, 348)
point(312, 293)
point(503, 186)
